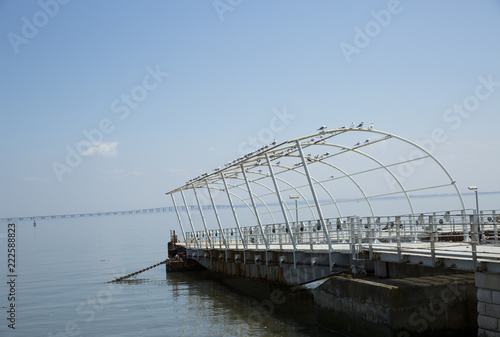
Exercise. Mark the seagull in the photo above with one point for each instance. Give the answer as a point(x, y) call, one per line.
point(358, 143)
point(371, 126)
point(367, 141)
point(326, 154)
point(343, 127)
point(322, 128)
point(360, 125)
point(278, 163)
point(352, 125)
point(447, 216)
point(274, 143)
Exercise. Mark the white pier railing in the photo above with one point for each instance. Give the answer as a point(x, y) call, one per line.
point(423, 232)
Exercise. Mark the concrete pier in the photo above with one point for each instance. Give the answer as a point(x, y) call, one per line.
point(488, 304)
point(274, 266)
point(414, 306)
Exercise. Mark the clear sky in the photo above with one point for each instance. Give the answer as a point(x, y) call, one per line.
point(107, 105)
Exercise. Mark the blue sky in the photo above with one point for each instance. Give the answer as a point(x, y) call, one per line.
point(171, 89)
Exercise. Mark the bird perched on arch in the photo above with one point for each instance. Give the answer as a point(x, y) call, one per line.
point(322, 128)
point(360, 125)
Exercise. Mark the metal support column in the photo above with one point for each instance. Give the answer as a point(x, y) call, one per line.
point(398, 237)
point(179, 218)
point(280, 200)
point(203, 218)
point(474, 238)
point(370, 237)
point(352, 240)
point(216, 215)
point(257, 216)
point(465, 230)
point(432, 238)
point(495, 229)
point(190, 220)
point(318, 207)
point(234, 213)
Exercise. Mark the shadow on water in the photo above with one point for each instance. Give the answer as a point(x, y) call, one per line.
point(272, 309)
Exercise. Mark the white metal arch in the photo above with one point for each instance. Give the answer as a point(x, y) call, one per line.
point(289, 149)
point(381, 166)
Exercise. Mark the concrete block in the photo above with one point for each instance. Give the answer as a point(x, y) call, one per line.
point(346, 305)
point(484, 295)
point(481, 308)
point(487, 323)
point(492, 310)
point(495, 296)
point(380, 268)
point(488, 281)
point(487, 333)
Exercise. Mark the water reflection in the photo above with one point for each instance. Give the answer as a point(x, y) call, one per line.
point(232, 306)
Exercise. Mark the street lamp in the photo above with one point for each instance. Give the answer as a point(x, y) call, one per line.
point(474, 188)
point(296, 198)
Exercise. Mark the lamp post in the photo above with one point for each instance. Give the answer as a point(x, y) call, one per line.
point(296, 198)
point(474, 188)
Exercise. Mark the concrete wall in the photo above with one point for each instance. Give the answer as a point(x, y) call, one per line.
point(488, 304)
point(279, 267)
point(423, 306)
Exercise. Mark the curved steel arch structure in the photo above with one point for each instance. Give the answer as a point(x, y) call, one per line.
point(271, 156)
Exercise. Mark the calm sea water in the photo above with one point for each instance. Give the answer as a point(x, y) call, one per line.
point(61, 289)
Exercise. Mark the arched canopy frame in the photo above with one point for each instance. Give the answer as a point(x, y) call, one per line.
point(254, 161)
